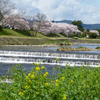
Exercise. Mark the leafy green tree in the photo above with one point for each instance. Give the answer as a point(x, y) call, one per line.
point(0, 28)
point(92, 35)
point(78, 24)
point(53, 21)
point(83, 34)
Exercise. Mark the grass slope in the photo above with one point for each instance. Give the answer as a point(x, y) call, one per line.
point(20, 33)
point(9, 32)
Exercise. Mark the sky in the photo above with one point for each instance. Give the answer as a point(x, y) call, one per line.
point(88, 11)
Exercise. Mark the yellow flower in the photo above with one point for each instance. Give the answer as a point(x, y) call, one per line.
point(64, 97)
point(8, 70)
point(63, 78)
point(32, 76)
point(21, 93)
point(33, 72)
point(26, 87)
point(35, 63)
point(38, 65)
point(26, 78)
point(29, 74)
point(30, 81)
point(57, 81)
point(47, 84)
point(72, 81)
point(37, 68)
point(57, 58)
point(46, 74)
point(42, 67)
point(56, 84)
point(37, 92)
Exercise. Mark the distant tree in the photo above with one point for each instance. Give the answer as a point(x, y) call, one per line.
point(16, 22)
point(92, 35)
point(83, 34)
point(88, 30)
point(5, 8)
point(0, 28)
point(39, 20)
point(53, 21)
point(47, 27)
point(78, 24)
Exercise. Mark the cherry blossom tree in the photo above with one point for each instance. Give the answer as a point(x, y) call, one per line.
point(16, 22)
point(48, 27)
point(94, 31)
point(39, 22)
point(5, 8)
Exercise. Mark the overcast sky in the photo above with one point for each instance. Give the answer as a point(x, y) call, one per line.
point(88, 11)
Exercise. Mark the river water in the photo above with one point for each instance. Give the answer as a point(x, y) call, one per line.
point(4, 67)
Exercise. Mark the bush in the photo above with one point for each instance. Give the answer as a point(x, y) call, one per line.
point(70, 84)
point(1, 28)
point(92, 35)
point(84, 34)
point(97, 48)
point(73, 35)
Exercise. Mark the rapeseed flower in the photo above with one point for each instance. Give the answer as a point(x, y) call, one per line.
point(37, 68)
point(42, 67)
point(26, 87)
point(37, 92)
point(29, 74)
point(32, 76)
point(35, 64)
point(21, 93)
point(33, 72)
point(30, 81)
point(46, 74)
point(57, 58)
point(64, 97)
point(56, 84)
point(57, 81)
point(72, 81)
point(27, 78)
point(47, 84)
point(63, 78)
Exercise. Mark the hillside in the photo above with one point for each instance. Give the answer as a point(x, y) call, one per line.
point(85, 26)
point(19, 33)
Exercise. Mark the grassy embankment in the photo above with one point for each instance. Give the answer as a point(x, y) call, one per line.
point(13, 37)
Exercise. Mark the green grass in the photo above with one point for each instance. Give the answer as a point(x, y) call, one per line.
point(58, 42)
point(9, 32)
point(75, 49)
point(97, 48)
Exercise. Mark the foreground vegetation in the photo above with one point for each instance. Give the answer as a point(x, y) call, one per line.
point(70, 84)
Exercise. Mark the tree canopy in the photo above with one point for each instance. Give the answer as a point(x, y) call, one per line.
point(78, 24)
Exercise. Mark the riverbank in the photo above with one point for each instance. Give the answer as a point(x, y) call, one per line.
point(76, 49)
point(43, 41)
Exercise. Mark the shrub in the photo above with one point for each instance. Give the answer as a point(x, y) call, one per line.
point(73, 35)
point(1, 28)
point(84, 34)
point(97, 48)
point(92, 35)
